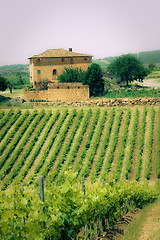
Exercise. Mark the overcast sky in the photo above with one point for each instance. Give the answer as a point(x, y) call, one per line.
point(102, 28)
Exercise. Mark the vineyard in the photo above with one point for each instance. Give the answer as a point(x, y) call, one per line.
point(95, 144)
point(121, 143)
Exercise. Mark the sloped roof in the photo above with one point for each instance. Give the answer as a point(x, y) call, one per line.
point(59, 53)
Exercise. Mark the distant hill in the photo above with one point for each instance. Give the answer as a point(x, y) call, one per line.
point(17, 74)
point(144, 57)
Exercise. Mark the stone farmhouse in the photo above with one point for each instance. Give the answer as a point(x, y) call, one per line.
point(51, 63)
point(48, 66)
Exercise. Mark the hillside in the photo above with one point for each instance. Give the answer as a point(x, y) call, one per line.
point(18, 75)
point(119, 143)
point(144, 57)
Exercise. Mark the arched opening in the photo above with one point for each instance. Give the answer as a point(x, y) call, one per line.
point(54, 72)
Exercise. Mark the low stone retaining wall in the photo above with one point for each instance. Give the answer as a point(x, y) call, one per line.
point(60, 92)
point(108, 102)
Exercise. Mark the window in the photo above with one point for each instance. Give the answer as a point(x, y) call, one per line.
point(62, 59)
point(38, 71)
point(54, 72)
point(85, 59)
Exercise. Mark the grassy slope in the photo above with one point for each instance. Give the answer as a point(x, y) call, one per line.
point(146, 226)
point(14, 72)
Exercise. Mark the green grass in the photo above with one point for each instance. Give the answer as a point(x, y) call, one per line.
point(129, 93)
point(154, 74)
point(134, 229)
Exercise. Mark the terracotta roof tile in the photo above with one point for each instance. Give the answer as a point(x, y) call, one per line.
point(59, 53)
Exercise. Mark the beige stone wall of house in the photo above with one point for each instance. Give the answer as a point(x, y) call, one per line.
point(50, 68)
point(61, 91)
point(31, 69)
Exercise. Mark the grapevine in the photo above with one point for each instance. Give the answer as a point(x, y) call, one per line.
point(132, 141)
point(113, 146)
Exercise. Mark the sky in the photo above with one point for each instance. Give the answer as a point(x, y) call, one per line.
point(101, 28)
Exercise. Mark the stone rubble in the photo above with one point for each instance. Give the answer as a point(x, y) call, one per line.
point(108, 102)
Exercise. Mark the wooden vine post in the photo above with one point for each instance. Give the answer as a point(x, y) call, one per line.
point(83, 188)
point(84, 193)
point(24, 220)
point(41, 195)
point(103, 219)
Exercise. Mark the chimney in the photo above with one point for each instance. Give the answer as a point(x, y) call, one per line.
point(70, 49)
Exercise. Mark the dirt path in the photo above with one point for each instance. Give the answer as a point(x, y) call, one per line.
point(151, 227)
point(155, 83)
point(137, 225)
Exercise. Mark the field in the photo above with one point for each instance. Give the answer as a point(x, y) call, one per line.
point(97, 145)
point(120, 143)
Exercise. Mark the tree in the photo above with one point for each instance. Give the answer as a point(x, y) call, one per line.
point(9, 85)
point(128, 68)
point(94, 78)
point(3, 83)
point(72, 75)
point(151, 66)
point(19, 78)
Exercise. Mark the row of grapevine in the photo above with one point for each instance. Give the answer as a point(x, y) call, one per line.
point(93, 149)
point(15, 129)
point(9, 125)
point(6, 118)
point(79, 163)
point(48, 147)
point(23, 158)
point(121, 153)
point(19, 135)
point(1, 114)
point(67, 146)
point(75, 148)
point(67, 208)
point(158, 148)
point(8, 165)
point(104, 147)
point(148, 164)
point(141, 145)
point(92, 142)
point(59, 143)
point(132, 142)
point(33, 156)
point(30, 161)
point(110, 155)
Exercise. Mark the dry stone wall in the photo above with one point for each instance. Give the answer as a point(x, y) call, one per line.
point(104, 102)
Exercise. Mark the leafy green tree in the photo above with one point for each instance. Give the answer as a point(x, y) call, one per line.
point(151, 66)
point(72, 75)
point(9, 85)
point(19, 78)
point(94, 78)
point(127, 68)
point(3, 83)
